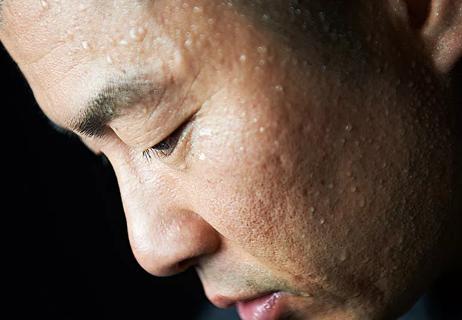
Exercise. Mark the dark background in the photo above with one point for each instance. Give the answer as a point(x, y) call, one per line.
point(64, 227)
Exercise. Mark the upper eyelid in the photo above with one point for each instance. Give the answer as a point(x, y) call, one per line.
point(184, 137)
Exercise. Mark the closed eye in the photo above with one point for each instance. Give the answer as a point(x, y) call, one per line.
point(167, 146)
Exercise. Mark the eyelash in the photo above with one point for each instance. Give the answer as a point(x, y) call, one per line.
point(166, 147)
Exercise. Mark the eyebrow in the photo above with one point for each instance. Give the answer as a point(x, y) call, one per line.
point(107, 104)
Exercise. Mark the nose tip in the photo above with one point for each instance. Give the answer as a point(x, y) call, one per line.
point(173, 245)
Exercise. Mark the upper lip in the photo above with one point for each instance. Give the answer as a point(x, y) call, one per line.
point(226, 302)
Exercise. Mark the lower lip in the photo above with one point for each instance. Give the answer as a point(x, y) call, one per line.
point(267, 307)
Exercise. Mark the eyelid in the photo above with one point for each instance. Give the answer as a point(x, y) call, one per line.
point(183, 131)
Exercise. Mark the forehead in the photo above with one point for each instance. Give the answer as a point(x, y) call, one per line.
point(31, 26)
point(67, 49)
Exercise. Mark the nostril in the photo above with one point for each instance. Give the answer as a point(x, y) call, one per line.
point(185, 264)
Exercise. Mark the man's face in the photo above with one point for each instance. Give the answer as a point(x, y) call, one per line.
point(275, 147)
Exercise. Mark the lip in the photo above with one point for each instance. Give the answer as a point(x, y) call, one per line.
point(265, 307)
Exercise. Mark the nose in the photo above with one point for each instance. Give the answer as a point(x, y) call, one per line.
point(166, 232)
point(166, 244)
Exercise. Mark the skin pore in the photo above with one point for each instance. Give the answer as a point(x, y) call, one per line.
point(298, 146)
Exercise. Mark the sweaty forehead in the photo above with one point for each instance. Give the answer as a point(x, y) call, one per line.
point(30, 27)
point(68, 49)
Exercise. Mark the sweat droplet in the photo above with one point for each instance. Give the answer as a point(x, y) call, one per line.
point(312, 209)
point(265, 17)
point(243, 58)
point(348, 127)
point(279, 88)
point(82, 7)
point(262, 50)
point(197, 10)
point(202, 156)
point(44, 4)
point(205, 132)
point(188, 43)
point(85, 45)
point(137, 34)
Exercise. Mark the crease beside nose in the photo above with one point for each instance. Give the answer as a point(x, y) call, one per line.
point(170, 244)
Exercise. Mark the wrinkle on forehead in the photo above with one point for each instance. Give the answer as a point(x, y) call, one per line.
point(26, 27)
point(30, 25)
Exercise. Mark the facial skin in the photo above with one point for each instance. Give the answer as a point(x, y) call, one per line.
point(317, 155)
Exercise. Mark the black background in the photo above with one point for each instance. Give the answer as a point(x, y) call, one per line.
point(67, 248)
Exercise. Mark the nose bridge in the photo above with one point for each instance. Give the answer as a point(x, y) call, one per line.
point(166, 237)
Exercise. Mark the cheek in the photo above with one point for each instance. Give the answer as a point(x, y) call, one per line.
point(247, 178)
point(299, 194)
